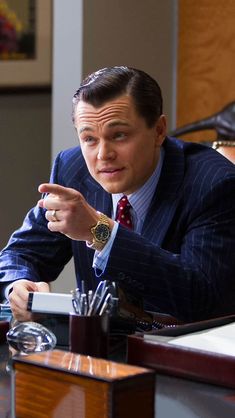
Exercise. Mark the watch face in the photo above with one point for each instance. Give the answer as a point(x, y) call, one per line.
point(102, 232)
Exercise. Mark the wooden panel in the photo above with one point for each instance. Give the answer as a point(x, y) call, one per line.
point(206, 51)
point(187, 363)
point(43, 393)
point(82, 365)
point(62, 384)
point(5, 382)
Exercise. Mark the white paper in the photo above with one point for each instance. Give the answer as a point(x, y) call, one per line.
point(217, 340)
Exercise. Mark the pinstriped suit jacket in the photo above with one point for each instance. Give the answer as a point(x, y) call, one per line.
point(183, 263)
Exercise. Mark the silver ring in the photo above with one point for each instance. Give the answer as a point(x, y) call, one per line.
point(53, 216)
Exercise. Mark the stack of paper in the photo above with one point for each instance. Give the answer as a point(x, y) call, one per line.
point(217, 340)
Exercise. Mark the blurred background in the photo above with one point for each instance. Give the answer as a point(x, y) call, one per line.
point(47, 47)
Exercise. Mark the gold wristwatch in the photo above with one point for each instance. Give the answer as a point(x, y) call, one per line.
point(101, 233)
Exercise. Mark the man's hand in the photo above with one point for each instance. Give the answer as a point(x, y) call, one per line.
point(19, 297)
point(68, 212)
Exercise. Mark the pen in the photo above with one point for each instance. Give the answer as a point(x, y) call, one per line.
point(90, 296)
point(75, 306)
point(113, 305)
point(83, 286)
point(105, 304)
point(101, 287)
point(94, 304)
point(77, 293)
point(101, 301)
point(83, 304)
point(75, 302)
point(96, 297)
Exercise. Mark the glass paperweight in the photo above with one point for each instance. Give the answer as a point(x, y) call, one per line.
point(30, 337)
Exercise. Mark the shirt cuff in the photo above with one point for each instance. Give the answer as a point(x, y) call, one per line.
point(100, 259)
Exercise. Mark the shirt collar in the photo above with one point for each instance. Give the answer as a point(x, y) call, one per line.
point(141, 199)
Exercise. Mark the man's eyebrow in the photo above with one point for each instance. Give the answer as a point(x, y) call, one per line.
point(112, 124)
point(117, 123)
point(85, 128)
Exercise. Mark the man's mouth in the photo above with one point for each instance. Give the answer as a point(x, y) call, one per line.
point(110, 170)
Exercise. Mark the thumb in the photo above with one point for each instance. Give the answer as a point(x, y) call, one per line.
point(43, 287)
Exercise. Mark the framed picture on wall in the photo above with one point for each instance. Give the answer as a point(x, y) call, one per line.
point(25, 43)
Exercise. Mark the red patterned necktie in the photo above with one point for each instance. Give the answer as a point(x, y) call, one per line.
point(123, 213)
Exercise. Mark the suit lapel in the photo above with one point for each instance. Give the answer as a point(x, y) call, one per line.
point(165, 200)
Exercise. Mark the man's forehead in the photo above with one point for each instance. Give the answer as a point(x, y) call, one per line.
point(115, 123)
point(115, 111)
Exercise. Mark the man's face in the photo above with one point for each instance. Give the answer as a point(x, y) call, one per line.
point(120, 151)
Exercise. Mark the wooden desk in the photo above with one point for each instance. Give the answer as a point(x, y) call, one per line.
point(182, 391)
point(5, 383)
point(5, 380)
point(174, 397)
point(61, 384)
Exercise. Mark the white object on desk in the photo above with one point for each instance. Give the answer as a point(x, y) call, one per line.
point(217, 340)
point(59, 303)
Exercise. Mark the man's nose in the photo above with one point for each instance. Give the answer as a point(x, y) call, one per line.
point(105, 152)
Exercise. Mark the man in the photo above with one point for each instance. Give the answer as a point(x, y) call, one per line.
point(176, 247)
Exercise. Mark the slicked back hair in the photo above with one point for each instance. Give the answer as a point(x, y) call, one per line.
point(109, 83)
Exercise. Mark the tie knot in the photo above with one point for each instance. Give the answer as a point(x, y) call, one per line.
point(123, 212)
point(123, 203)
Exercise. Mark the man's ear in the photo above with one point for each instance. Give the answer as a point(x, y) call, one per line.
point(160, 130)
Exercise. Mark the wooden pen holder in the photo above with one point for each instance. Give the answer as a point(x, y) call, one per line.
point(89, 335)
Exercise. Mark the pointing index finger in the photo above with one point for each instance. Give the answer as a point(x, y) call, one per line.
point(55, 189)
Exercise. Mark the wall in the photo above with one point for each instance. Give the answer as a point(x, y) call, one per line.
point(25, 145)
point(206, 55)
point(67, 75)
point(67, 70)
point(136, 33)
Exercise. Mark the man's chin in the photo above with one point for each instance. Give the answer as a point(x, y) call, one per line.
point(111, 188)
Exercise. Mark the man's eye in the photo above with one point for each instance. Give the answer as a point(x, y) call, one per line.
point(88, 140)
point(119, 135)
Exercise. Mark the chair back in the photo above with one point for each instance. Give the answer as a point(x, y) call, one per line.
point(223, 122)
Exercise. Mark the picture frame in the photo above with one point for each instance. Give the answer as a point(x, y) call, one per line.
point(32, 72)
